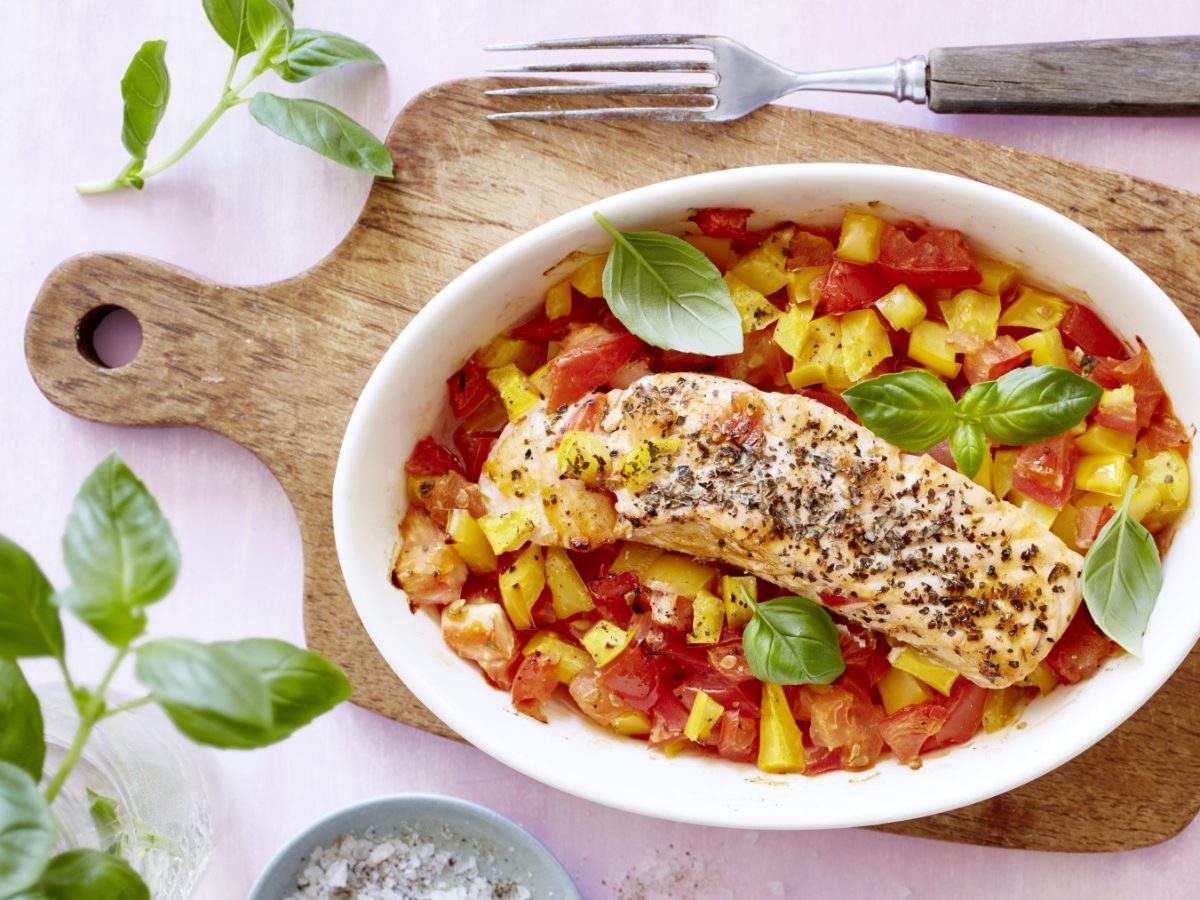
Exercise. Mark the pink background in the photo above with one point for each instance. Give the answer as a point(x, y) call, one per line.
point(246, 207)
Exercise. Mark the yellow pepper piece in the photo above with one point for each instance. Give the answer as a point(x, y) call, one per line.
point(708, 615)
point(646, 460)
point(418, 487)
point(765, 267)
point(679, 574)
point(972, 317)
point(718, 250)
point(800, 283)
point(517, 392)
point(1042, 513)
point(1042, 678)
point(860, 238)
point(1098, 439)
point(570, 594)
point(1103, 474)
point(902, 308)
point(583, 455)
point(631, 723)
point(816, 357)
point(937, 677)
point(928, 346)
point(1167, 473)
point(865, 343)
point(1003, 707)
point(636, 558)
point(571, 659)
point(780, 743)
point(740, 594)
point(1047, 347)
point(471, 543)
point(558, 300)
point(588, 279)
point(521, 584)
point(504, 351)
point(793, 328)
point(605, 641)
point(757, 311)
point(1003, 463)
point(1034, 309)
point(898, 689)
point(994, 277)
point(706, 712)
point(509, 530)
point(1065, 524)
point(983, 477)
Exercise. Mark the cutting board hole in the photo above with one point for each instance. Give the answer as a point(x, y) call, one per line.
point(109, 336)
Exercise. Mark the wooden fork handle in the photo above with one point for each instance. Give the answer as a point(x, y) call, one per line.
point(1131, 77)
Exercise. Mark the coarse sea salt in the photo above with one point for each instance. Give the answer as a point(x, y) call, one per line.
point(398, 867)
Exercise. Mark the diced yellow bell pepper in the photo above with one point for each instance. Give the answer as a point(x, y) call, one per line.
point(780, 743)
point(1167, 472)
point(417, 487)
point(983, 477)
point(1003, 463)
point(1065, 525)
point(818, 353)
point(521, 584)
point(706, 712)
point(902, 308)
point(994, 277)
point(570, 594)
point(517, 391)
point(1034, 309)
point(708, 615)
point(584, 455)
point(740, 594)
point(1047, 348)
point(1003, 707)
point(571, 659)
point(920, 667)
point(860, 238)
point(505, 351)
point(1103, 474)
point(898, 689)
point(588, 279)
point(1146, 499)
point(631, 723)
point(765, 267)
point(929, 347)
point(972, 313)
point(1042, 513)
point(793, 328)
point(507, 531)
point(679, 574)
point(801, 281)
point(646, 460)
point(558, 300)
point(471, 543)
point(757, 311)
point(1100, 440)
point(1123, 396)
point(636, 558)
point(605, 641)
point(718, 250)
point(865, 343)
point(1042, 678)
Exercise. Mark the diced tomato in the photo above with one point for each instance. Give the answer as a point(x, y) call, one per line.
point(638, 367)
point(879, 664)
point(738, 735)
point(430, 458)
point(676, 361)
point(474, 447)
point(939, 258)
point(484, 588)
point(667, 720)
point(941, 452)
point(540, 329)
point(993, 359)
point(730, 694)
point(808, 249)
point(907, 729)
point(587, 366)
point(633, 677)
point(1084, 329)
point(533, 684)
point(585, 416)
point(1139, 371)
point(833, 600)
point(448, 492)
point(609, 594)
point(1081, 650)
point(846, 287)
point(1118, 414)
point(428, 570)
point(468, 388)
point(722, 222)
point(857, 645)
point(821, 759)
point(762, 362)
point(729, 659)
point(1088, 522)
point(542, 611)
point(965, 713)
point(844, 718)
point(1165, 432)
point(1046, 471)
point(833, 401)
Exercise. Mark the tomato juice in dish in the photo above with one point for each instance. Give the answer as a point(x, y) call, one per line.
point(626, 522)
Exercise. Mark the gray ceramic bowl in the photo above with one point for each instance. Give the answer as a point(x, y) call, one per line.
point(504, 849)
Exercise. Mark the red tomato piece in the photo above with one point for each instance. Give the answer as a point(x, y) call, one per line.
point(1148, 391)
point(474, 447)
point(1088, 522)
point(1081, 650)
point(907, 729)
point(993, 359)
point(633, 677)
point(585, 367)
point(468, 388)
point(610, 594)
point(941, 452)
point(821, 759)
point(723, 222)
point(540, 329)
point(482, 587)
point(762, 362)
point(1119, 415)
point(1046, 471)
point(965, 713)
point(808, 249)
point(667, 720)
point(833, 600)
point(730, 694)
point(879, 664)
point(738, 736)
point(533, 684)
point(542, 611)
point(430, 458)
point(846, 287)
point(1082, 328)
point(857, 645)
point(1165, 432)
point(939, 258)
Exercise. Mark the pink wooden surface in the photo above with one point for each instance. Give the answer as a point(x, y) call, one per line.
point(247, 207)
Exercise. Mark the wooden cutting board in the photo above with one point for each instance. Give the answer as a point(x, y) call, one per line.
point(277, 368)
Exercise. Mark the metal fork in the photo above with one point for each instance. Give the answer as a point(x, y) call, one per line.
point(1138, 76)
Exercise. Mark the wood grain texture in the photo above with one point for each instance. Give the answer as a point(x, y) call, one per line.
point(278, 367)
point(1131, 77)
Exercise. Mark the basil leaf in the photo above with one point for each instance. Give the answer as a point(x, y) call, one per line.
point(669, 294)
point(22, 737)
point(1029, 405)
point(29, 623)
point(791, 640)
point(967, 446)
point(247, 25)
point(313, 52)
point(27, 831)
point(90, 875)
point(1122, 575)
point(106, 817)
point(324, 129)
point(199, 680)
point(145, 89)
point(913, 410)
point(120, 552)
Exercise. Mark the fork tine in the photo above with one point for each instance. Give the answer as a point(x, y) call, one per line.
point(653, 65)
point(661, 113)
point(561, 89)
point(615, 41)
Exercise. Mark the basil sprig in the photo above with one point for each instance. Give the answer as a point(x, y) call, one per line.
point(669, 294)
point(791, 640)
point(915, 410)
point(1122, 575)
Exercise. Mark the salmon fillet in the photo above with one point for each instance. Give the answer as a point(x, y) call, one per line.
point(794, 492)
